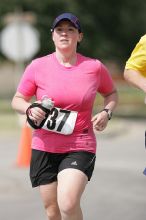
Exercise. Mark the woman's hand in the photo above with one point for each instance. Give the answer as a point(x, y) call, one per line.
point(36, 114)
point(100, 121)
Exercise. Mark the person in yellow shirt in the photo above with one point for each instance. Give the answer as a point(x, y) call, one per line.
point(135, 68)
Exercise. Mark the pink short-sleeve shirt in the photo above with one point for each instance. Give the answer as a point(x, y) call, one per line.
point(71, 88)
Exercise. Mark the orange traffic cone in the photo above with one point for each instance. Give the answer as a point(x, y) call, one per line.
point(24, 152)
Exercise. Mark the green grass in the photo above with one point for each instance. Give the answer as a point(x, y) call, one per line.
point(131, 103)
point(9, 122)
point(5, 106)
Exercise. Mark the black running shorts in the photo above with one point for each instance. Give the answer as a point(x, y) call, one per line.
point(45, 166)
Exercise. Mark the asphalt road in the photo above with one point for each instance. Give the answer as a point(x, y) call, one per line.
point(117, 189)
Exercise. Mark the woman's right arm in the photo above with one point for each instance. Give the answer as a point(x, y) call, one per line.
point(20, 103)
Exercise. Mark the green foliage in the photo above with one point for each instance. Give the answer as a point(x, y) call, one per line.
point(111, 28)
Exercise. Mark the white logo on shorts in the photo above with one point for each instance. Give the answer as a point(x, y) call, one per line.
point(74, 163)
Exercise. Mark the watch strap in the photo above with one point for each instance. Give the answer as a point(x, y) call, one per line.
point(109, 113)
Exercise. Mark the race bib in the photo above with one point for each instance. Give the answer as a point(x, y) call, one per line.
point(61, 121)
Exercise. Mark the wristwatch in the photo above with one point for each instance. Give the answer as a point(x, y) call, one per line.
point(109, 113)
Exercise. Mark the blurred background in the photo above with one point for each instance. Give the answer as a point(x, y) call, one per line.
point(111, 30)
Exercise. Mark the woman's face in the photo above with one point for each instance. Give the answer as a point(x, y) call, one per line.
point(66, 36)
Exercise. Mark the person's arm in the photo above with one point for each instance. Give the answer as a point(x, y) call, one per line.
point(101, 119)
point(20, 103)
point(135, 78)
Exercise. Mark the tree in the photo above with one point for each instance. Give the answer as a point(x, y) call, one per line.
point(111, 28)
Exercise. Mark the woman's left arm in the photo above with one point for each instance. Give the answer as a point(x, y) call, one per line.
point(101, 119)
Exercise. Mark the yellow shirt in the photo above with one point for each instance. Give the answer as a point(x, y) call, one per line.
point(137, 60)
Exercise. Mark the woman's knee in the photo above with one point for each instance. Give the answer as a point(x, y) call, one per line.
point(49, 197)
point(53, 212)
point(68, 205)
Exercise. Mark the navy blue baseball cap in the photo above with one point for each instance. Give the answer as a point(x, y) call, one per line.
point(67, 16)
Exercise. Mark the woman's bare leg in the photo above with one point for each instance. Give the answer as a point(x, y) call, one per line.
point(49, 196)
point(71, 185)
